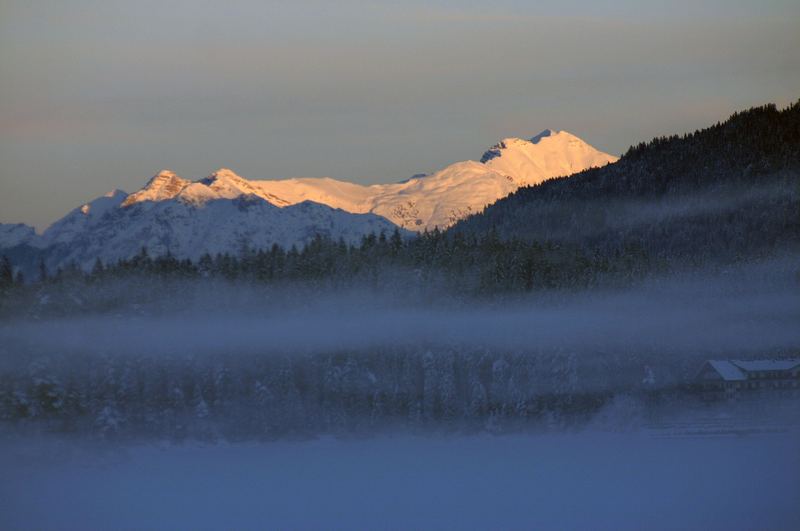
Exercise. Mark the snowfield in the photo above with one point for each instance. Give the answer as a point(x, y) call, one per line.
point(586, 480)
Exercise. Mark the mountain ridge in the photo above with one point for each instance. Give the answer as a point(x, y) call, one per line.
point(426, 201)
point(222, 211)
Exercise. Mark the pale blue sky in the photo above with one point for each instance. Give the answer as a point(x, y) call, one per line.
point(101, 95)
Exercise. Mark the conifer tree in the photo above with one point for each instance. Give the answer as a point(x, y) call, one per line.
point(43, 276)
point(6, 273)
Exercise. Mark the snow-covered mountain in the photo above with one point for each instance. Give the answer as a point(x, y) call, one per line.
point(548, 154)
point(422, 202)
point(224, 212)
point(442, 198)
point(217, 214)
point(188, 230)
point(82, 220)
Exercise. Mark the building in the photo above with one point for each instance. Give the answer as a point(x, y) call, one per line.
point(727, 378)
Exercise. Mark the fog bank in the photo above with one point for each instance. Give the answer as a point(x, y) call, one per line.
point(747, 311)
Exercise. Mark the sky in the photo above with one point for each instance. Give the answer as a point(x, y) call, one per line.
point(97, 95)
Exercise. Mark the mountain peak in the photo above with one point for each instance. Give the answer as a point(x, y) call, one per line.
point(114, 198)
point(223, 183)
point(549, 154)
point(161, 179)
point(163, 185)
point(544, 134)
point(222, 174)
point(99, 205)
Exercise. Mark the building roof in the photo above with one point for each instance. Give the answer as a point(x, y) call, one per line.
point(767, 365)
point(727, 370)
point(736, 370)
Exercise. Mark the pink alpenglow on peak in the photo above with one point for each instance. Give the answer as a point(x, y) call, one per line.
point(163, 185)
point(425, 201)
point(546, 155)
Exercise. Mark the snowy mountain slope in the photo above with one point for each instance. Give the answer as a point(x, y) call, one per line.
point(219, 214)
point(415, 204)
point(422, 202)
point(548, 154)
point(81, 219)
point(162, 186)
point(441, 198)
point(207, 223)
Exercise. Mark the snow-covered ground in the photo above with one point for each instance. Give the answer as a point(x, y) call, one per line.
point(585, 480)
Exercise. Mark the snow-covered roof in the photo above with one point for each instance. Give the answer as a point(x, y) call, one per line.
point(736, 370)
point(727, 370)
point(767, 365)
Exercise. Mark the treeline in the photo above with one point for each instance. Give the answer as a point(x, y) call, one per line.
point(469, 265)
point(761, 139)
point(258, 395)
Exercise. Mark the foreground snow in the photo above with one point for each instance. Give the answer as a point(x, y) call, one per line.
point(557, 481)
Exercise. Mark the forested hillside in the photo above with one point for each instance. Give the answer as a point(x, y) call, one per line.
point(727, 192)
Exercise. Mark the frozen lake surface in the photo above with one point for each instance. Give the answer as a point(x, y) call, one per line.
point(551, 481)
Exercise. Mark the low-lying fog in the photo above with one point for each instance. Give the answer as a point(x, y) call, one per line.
point(748, 311)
